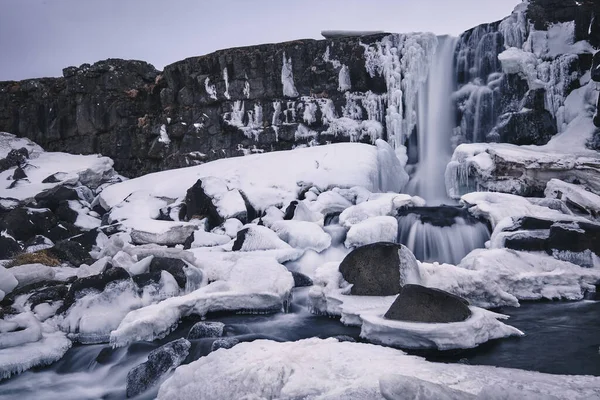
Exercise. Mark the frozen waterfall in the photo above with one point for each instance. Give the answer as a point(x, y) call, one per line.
point(435, 125)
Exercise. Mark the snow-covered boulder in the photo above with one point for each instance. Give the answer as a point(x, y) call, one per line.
point(205, 239)
point(478, 328)
point(332, 369)
point(257, 237)
point(574, 195)
point(379, 269)
point(7, 282)
point(378, 204)
point(90, 170)
point(28, 274)
point(202, 330)
point(372, 230)
point(302, 234)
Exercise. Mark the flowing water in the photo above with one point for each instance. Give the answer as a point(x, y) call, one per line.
point(561, 338)
point(436, 119)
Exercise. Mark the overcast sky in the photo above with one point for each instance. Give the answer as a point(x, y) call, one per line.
point(40, 37)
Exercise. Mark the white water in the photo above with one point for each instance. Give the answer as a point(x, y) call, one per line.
point(436, 121)
point(447, 244)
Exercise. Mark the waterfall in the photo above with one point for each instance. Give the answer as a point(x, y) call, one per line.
point(435, 125)
point(441, 234)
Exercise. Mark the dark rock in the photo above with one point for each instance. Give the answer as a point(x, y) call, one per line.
point(203, 330)
point(47, 295)
point(524, 128)
point(147, 278)
point(94, 282)
point(440, 216)
point(62, 231)
point(87, 239)
point(9, 247)
point(52, 198)
point(71, 252)
point(19, 174)
point(290, 210)
point(239, 240)
point(378, 269)
point(108, 356)
point(200, 205)
point(32, 287)
point(52, 178)
point(14, 158)
point(39, 242)
point(344, 338)
point(160, 362)
point(417, 303)
point(65, 213)
point(301, 280)
point(225, 343)
point(174, 266)
point(26, 223)
point(596, 67)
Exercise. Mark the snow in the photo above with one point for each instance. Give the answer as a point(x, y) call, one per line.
point(372, 230)
point(261, 238)
point(577, 194)
point(10, 142)
point(517, 61)
point(328, 369)
point(7, 282)
point(208, 239)
point(302, 234)
point(329, 202)
point(226, 79)
point(164, 136)
point(287, 78)
point(250, 283)
point(229, 203)
point(18, 330)
point(51, 348)
point(268, 179)
point(378, 204)
point(480, 327)
point(84, 220)
point(345, 83)
point(32, 273)
point(211, 90)
point(90, 170)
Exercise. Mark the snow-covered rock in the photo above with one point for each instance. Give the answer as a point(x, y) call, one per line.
point(378, 204)
point(90, 170)
point(257, 237)
point(302, 234)
point(372, 230)
point(333, 370)
point(574, 195)
point(7, 282)
point(480, 327)
point(207, 239)
point(32, 273)
point(251, 284)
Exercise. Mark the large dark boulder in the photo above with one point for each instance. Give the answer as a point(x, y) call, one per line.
point(94, 282)
point(14, 158)
point(160, 361)
point(71, 252)
point(65, 213)
point(174, 266)
point(8, 246)
point(203, 330)
point(24, 223)
point(379, 269)
point(417, 303)
point(52, 198)
point(596, 67)
point(200, 205)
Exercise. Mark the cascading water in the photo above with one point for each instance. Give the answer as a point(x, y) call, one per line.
point(435, 124)
point(444, 234)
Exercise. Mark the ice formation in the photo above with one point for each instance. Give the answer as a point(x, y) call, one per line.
point(287, 78)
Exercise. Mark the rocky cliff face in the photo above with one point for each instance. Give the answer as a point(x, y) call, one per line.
point(277, 96)
point(229, 103)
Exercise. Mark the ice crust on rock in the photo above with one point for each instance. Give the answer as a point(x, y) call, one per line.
point(316, 368)
point(372, 230)
point(480, 327)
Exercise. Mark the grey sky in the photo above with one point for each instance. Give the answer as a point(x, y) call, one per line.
point(40, 37)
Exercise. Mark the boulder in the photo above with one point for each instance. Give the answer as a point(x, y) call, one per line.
point(417, 303)
point(258, 237)
point(95, 282)
point(71, 252)
point(199, 205)
point(203, 330)
point(380, 269)
point(52, 198)
point(174, 266)
point(37, 243)
point(9, 247)
point(14, 158)
point(160, 361)
point(225, 343)
point(25, 223)
point(19, 174)
point(301, 280)
point(48, 294)
point(65, 213)
point(596, 67)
